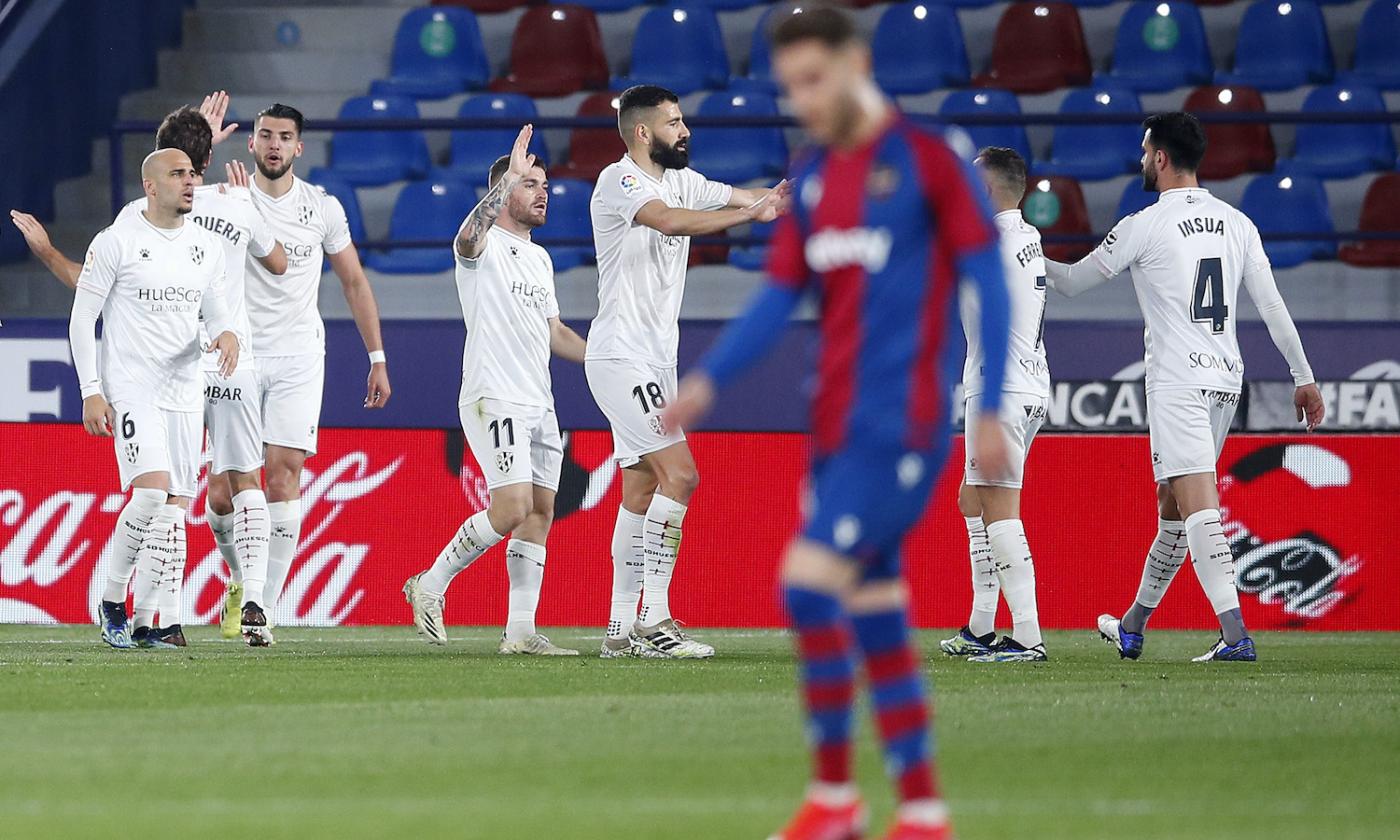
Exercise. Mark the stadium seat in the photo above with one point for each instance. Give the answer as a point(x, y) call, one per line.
point(727, 5)
point(989, 101)
point(679, 47)
point(437, 52)
point(1098, 151)
point(1281, 44)
point(483, 7)
point(555, 51)
point(1339, 149)
point(336, 186)
point(1038, 47)
point(424, 210)
point(735, 155)
point(474, 150)
point(568, 219)
point(918, 47)
point(1134, 198)
point(1377, 59)
point(1161, 46)
point(1290, 204)
point(1056, 205)
point(752, 257)
point(969, 4)
point(1379, 214)
point(716, 254)
point(600, 6)
point(1232, 149)
point(759, 75)
point(591, 149)
point(371, 158)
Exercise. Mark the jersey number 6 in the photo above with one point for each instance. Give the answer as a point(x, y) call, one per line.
point(1208, 298)
point(128, 427)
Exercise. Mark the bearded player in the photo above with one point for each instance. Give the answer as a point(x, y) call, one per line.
point(887, 219)
point(1188, 254)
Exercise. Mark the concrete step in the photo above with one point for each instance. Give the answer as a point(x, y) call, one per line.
point(369, 29)
point(291, 72)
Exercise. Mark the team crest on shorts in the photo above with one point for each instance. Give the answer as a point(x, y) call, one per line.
point(196, 255)
point(505, 459)
point(133, 449)
point(657, 426)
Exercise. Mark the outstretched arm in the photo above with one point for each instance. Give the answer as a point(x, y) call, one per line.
point(471, 236)
point(678, 221)
point(1072, 280)
point(38, 241)
point(564, 342)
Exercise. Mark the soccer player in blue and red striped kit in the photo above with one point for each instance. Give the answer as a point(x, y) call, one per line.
point(886, 222)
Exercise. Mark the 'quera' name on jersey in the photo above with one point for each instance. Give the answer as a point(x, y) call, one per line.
point(1201, 225)
point(833, 249)
point(223, 227)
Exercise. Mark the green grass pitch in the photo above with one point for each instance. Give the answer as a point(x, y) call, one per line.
point(369, 733)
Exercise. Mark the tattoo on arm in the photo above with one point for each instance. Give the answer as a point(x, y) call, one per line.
point(483, 216)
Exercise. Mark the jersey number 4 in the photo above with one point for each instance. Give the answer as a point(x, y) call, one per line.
point(1208, 298)
point(650, 397)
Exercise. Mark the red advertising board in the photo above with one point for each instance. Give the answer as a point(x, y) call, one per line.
point(1307, 517)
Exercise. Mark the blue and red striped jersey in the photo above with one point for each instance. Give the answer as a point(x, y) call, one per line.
point(878, 232)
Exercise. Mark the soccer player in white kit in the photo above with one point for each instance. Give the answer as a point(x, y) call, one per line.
point(231, 413)
point(506, 286)
point(991, 505)
point(644, 210)
point(287, 329)
point(150, 277)
point(1188, 255)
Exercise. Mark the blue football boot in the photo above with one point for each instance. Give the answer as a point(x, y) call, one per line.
point(1129, 645)
point(115, 631)
point(1241, 651)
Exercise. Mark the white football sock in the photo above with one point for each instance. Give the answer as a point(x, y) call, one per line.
point(472, 540)
point(629, 568)
point(1164, 559)
point(172, 579)
point(221, 526)
point(252, 532)
point(661, 541)
point(1016, 573)
point(285, 532)
point(984, 579)
point(155, 552)
point(1212, 560)
point(132, 525)
point(525, 565)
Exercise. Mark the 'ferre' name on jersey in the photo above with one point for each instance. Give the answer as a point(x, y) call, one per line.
point(1191, 227)
point(830, 250)
point(1031, 252)
point(219, 226)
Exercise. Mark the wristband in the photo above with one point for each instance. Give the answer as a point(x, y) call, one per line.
point(377, 357)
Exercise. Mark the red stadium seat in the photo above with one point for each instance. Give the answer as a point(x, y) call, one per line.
point(1232, 149)
point(483, 6)
point(1055, 204)
point(556, 51)
point(1378, 215)
point(1038, 47)
point(591, 149)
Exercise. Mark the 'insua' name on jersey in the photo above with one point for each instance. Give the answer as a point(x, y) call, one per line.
point(1201, 225)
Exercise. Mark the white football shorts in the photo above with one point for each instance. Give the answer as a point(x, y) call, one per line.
point(632, 396)
point(232, 421)
point(1021, 417)
point(290, 388)
point(150, 439)
point(514, 443)
point(1188, 427)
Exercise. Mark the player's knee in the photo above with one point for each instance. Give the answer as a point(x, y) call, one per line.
point(509, 511)
point(219, 499)
point(968, 502)
point(1166, 504)
point(681, 483)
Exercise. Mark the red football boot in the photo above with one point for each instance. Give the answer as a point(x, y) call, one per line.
point(905, 830)
point(817, 821)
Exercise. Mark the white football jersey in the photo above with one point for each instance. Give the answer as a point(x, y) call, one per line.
point(507, 296)
point(282, 310)
point(641, 273)
point(154, 281)
point(231, 215)
point(1188, 254)
point(1023, 263)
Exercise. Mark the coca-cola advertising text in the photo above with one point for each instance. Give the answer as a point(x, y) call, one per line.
point(1305, 515)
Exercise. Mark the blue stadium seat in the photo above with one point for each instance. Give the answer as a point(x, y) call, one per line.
point(1290, 204)
point(372, 158)
point(473, 151)
point(1161, 46)
point(568, 219)
point(680, 47)
point(735, 155)
point(1091, 3)
point(337, 186)
point(1338, 149)
point(918, 47)
point(989, 101)
point(437, 52)
point(1135, 198)
point(1095, 152)
point(1281, 45)
point(759, 76)
point(752, 257)
point(424, 210)
point(1377, 60)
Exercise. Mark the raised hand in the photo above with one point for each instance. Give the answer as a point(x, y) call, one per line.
point(33, 230)
point(237, 175)
point(520, 158)
point(773, 204)
point(214, 108)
